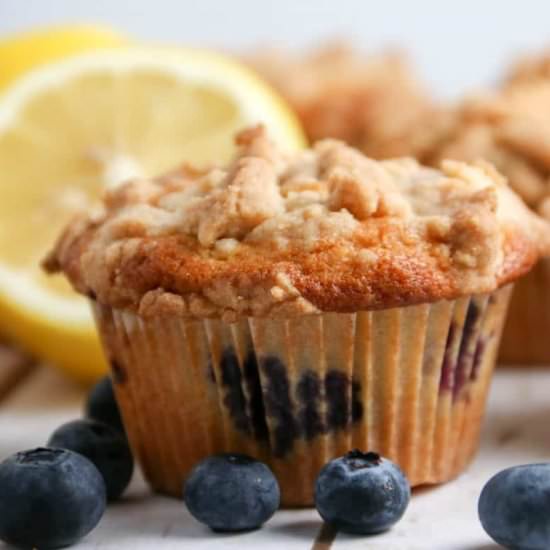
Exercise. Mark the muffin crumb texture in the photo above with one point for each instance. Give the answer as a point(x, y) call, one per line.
point(278, 234)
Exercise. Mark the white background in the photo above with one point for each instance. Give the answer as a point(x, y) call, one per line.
point(458, 44)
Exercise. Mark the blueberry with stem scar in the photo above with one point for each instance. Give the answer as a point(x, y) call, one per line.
point(50, 498)
point(362, 493)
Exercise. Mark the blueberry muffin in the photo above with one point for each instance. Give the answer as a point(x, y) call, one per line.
point(295, 306)
point(374, 103)
point(529, 68)
point(510, 128)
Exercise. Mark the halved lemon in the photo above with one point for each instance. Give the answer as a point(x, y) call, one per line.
point(71, 128)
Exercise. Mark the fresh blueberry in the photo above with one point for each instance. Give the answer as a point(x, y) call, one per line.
point(362, 493)
point(514, 507)
point(101, 404)
point(104, 446)
point(231, 492)
point(49, 498)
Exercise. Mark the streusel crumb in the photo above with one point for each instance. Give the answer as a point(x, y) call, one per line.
point(325, 229)
point(510, 128)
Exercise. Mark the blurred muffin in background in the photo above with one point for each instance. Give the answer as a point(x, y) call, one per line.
point(374, 103)
point(510, 127)
point(529, 68)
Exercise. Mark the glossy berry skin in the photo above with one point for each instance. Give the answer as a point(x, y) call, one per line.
point(362, 493)
point(104, 446)
point(101, 404)
point(514, 507)
point(231, 492)
point(49, 498)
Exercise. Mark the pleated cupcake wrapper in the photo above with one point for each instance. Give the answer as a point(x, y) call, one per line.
point(409, 383)
point(525, 336)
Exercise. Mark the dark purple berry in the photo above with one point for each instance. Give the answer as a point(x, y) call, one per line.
point(231, 492)
point(514, 507)
point(104, 446)
point(101, 404)
point(362, 493)
point(49, 498)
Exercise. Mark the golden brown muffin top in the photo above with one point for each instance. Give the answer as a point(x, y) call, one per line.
point(371, 102)
point(275, 234)
point(509, 128)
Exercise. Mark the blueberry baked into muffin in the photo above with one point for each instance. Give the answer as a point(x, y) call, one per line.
point(294, 306)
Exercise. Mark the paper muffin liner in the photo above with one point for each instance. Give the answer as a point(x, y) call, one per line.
point(409, 383)
point(525, 336)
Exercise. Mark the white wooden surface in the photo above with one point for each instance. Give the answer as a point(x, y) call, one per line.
point(517, 430)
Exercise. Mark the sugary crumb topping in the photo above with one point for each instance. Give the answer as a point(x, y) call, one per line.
point(322, 229)
point(510, 128)
point(376, 104)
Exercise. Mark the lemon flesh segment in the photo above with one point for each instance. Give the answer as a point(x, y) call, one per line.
point(71, 129)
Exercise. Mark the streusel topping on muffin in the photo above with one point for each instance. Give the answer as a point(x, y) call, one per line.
point(511, 129)
point(325, 229)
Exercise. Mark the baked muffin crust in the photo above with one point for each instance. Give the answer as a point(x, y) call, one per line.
point(277, 234)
